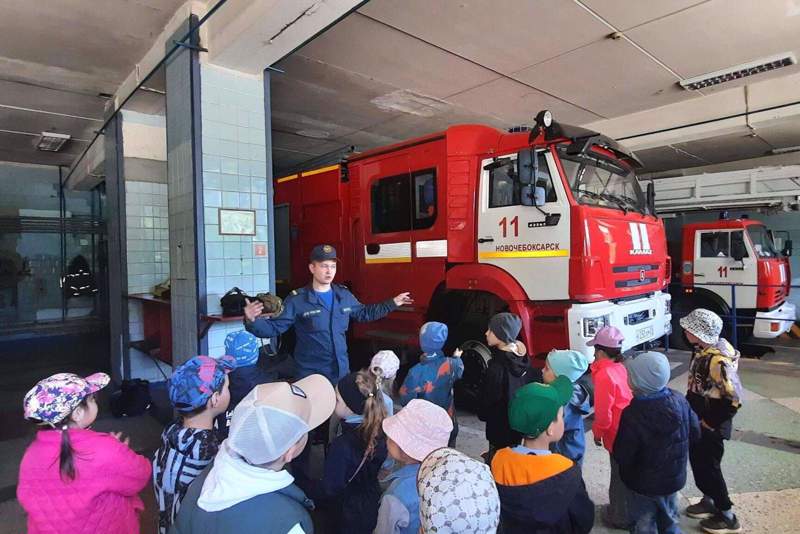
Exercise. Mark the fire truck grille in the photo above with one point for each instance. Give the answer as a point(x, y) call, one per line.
point(637, 282)
point(638, 317)
point(635, 268)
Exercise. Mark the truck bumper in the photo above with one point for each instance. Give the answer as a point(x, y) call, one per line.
point(774, 323)
point(629, 317)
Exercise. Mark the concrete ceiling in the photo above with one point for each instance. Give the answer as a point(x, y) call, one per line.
point(57, 57)
point(393, 70)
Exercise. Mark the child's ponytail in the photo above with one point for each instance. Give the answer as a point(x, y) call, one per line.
point(66, 454)
point(374, 410)
point(66, 461)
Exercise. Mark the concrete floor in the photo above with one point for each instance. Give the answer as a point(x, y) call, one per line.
point(761, 464)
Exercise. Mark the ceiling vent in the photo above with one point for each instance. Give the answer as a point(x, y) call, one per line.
point(52, 142)
point(739, 71)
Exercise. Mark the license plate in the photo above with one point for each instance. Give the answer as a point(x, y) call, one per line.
point(644, 333)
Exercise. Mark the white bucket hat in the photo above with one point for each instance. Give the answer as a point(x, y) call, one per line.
point(704, 324)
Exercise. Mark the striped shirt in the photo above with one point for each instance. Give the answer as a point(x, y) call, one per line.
point(183, 454)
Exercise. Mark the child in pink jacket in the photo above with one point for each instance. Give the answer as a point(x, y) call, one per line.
point(72, 479)
point(612, 394)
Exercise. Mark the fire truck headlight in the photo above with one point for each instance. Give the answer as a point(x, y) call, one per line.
point(592, 324)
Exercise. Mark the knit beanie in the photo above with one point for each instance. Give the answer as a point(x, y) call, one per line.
point(569, 363)
point(432, 337)
point(505, 326)
point(648, 372)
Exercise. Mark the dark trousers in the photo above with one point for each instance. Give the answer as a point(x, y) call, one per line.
point(454, 434)
point(705, 455)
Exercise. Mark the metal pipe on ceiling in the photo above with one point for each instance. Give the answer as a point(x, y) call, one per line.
point(45, 112)
point(31, 134)
point(175, 46)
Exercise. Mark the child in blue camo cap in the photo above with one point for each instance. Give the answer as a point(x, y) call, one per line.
point(199, 391)
point(244, 347)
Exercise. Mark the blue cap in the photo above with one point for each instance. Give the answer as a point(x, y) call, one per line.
point(323, 253)
point(193, 383)
point(243, 346)
point(569, 363)
point(432, 337)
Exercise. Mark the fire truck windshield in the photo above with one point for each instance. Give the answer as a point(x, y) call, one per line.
point(762, 241)
point(600, 181)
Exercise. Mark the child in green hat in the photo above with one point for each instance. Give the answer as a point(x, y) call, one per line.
point(540, 491)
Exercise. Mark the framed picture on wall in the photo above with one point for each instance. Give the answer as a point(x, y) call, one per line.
point(237, 222)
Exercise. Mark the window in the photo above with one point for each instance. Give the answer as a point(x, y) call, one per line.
point(600, 181)
point(403, 202)
point(762, 241)
point(720, 244)
point(737, 244)
point(424, 199)
point(505, 189)
point(714, 244)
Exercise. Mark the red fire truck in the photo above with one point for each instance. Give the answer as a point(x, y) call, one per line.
point(550, 224)
point(718, 254)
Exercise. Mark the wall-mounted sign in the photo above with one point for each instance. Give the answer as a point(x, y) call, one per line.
point(237, 222)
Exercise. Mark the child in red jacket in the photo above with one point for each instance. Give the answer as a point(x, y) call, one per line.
point(611, 395)
point(72, 479)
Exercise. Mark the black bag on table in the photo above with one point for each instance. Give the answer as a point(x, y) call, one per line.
point(233, 302)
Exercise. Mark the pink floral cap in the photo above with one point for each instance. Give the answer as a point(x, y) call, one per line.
point(54, 398)
point(420, 428)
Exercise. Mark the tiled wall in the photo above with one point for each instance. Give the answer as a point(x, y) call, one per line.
point(234, 176)
point(147, 250)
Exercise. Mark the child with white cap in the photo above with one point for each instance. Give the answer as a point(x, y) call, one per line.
point(412, 434)
point(571, 364)
point(714, 394)
point(457, 494)
point(247, 488)
point(384, 366)
point(652, 445)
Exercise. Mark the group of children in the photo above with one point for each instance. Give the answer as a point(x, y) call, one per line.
point(222, 464)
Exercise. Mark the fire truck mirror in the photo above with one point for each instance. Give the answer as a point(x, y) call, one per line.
point(533, 196)
point(787, 248)
point(738, 251)
point(528, 165)
point(651, 198)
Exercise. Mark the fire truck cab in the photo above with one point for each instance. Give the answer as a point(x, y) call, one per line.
point(725, 256)
point(550, 224)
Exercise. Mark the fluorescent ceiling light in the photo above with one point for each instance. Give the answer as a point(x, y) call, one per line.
point(52, 142)
point(739, 71)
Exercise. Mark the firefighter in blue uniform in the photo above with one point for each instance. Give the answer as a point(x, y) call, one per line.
point(320, 313)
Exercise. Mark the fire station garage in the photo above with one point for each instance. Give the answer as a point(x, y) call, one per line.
point(300, 184)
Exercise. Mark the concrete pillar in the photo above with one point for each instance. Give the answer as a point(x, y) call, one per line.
point(185, 197)
point(217, 167)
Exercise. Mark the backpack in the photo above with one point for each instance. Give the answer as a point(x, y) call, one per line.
point(132, 399)
point(233, 302)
